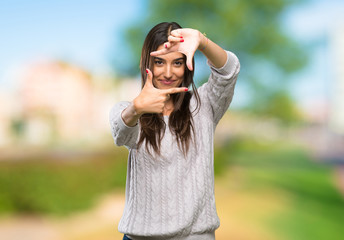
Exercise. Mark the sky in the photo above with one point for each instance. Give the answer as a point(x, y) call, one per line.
point(314, 24)
point(86, 33)
point(79, 31)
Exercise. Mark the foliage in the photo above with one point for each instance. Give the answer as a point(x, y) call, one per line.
point(278, 105)
point(315, 209)
point(247, 27)
point(17, 127)
point(250, 28)
point(59, 186)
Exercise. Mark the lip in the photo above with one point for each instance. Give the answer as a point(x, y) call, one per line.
point(167, 82)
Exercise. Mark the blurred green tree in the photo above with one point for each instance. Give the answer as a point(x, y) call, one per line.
point(250, 28)
point(17, 127)
point(278, 105)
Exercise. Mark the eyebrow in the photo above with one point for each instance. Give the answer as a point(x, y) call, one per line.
point(161, 59)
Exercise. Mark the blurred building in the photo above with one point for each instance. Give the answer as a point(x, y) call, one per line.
point(60, 104)
point(336, 120)
point(56, 102)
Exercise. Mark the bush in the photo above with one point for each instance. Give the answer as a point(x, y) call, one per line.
point(60, 186)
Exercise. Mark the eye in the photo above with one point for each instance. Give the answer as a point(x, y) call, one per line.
point(178, 63)
point(158, 62)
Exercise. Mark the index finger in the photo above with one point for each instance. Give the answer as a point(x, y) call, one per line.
point(176, 32)
point(159, 52)
point(175, 90)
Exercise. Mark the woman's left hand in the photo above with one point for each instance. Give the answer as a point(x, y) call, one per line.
point(184, 40)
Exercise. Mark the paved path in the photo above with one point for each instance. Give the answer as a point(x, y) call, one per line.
point(99, 223)
point(238, 210)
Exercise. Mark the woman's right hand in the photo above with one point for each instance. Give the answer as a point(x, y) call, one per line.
point(152, 99)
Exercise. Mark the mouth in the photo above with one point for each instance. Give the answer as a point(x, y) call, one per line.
point(167, 82)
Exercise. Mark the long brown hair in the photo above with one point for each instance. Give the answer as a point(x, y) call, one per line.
point(180, 121)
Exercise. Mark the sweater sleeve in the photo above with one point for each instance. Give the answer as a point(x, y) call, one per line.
point(122, 134)
point(218, 92)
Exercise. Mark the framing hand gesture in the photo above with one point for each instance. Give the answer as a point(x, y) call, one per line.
point(184, 40)
point(152, 99)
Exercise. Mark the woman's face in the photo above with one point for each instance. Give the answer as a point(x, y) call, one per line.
point(168, 70)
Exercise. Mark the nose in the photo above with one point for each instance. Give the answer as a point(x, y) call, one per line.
point(168, 71)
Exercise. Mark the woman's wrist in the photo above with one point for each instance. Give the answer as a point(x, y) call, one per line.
point(135, 108)
point(130, 115)
point(203, 42)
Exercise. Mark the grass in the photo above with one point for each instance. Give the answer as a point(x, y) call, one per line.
point(263, 190)
point(313, 207)
point(59, 186)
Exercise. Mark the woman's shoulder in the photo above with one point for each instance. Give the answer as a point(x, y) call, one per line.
point(229, 69)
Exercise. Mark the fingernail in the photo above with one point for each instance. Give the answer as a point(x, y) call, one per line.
point(181, 40)
point(186, 89)
point(146, 70)
point(165, 45)
point(181, 36)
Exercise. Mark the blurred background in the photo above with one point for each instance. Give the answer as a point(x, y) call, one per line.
point(279, 149)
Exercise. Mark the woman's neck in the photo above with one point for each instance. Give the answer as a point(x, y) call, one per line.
point(168, 109)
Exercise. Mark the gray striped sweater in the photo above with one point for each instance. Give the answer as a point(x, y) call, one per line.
point(171, 196)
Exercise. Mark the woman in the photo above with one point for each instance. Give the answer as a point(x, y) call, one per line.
point(169, 133)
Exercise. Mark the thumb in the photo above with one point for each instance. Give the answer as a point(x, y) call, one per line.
point(189, 61)
point(149, 78)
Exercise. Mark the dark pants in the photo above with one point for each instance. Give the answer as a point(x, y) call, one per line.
point(125, 237)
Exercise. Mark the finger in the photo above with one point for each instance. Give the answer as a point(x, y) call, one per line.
point(175, 39)
point(167, 45)
point(149, 79)
point(175, 90)
point(189, 61)
point(163, 51)
point(176, 33)
point(159, 52)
